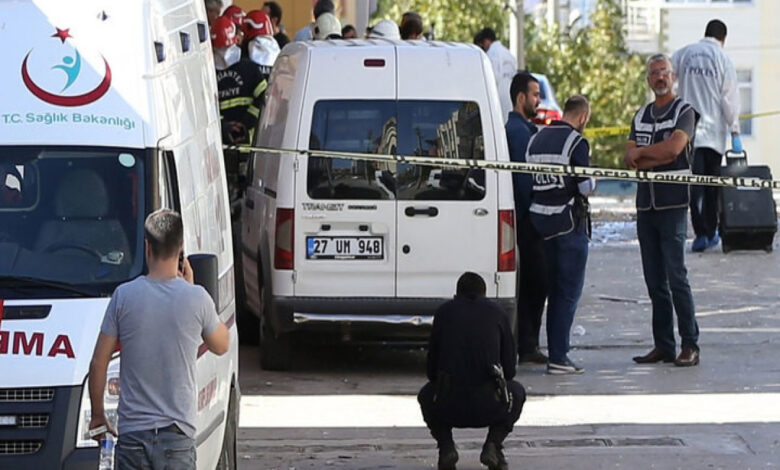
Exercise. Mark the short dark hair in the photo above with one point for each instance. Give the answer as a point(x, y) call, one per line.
point(716, 29)
point(471, 285)
point(323, 6)
point(274, 10)
point(577, 104)
point(485, 33)
point(346, 29)
point(520, 84)
point(410, 14)
point(413, 26)
point(165, 233)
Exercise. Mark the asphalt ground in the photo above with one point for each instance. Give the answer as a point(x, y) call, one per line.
point(353, 406)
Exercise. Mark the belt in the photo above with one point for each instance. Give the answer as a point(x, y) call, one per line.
point(170, 428)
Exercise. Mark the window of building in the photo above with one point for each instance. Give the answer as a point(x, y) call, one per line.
point(745, 88)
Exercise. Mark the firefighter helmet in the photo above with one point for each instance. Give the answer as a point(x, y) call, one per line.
point(223, 32)
point(257, 23)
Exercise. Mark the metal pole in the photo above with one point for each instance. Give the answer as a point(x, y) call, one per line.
point(520, 18)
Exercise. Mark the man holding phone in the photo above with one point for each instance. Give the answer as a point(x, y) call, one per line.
point(160, 319)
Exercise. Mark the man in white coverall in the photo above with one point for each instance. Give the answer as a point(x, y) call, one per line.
point(706, 79)
point(504, 66)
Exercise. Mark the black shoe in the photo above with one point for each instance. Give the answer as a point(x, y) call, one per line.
point(448, 457)
point(656, 355)
point(534, 357)
point(688, 357)
point(493, 457)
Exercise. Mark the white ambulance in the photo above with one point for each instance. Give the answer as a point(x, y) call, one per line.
point(356, 246)
point(108, 112)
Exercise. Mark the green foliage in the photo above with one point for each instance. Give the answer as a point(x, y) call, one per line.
point(593, 62)
point(455, 20)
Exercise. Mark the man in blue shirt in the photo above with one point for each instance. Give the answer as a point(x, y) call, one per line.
point(532, 288)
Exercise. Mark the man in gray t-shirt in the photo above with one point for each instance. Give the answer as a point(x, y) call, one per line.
point(160, 320)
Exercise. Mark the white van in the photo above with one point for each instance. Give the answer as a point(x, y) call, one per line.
point(351, 245)
point(108, 113)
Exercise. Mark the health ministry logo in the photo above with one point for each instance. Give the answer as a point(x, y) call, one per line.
point(70, 65)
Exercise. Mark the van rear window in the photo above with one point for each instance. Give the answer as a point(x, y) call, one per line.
point(444, 129)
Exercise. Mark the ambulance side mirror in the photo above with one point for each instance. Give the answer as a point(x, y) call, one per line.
point(205, 272)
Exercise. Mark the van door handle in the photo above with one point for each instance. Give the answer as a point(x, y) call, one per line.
point(480, 212)
point(429, 211)
point(250, 203)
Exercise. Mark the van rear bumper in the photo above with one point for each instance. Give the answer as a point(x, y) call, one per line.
point(374, 313)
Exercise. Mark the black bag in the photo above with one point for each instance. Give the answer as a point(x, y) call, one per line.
point(748, 216)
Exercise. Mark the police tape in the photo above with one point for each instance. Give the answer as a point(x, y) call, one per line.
point(640, 176)
point(596, 132)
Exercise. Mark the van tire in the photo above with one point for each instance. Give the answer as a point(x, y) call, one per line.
point(274, 348)
point(228, 454)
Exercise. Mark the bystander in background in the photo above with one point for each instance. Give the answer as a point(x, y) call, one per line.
point(504, 66)
point(706, 79)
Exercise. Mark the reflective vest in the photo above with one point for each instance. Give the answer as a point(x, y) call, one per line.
point(649, 130)
point(553, 200)
point(241, 87)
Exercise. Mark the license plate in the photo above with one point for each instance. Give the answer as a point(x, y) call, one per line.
point(345, 248)
point(7, 420)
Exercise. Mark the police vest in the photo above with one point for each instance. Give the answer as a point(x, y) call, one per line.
point(553, 199)
point(241, 88)
point(649, 130)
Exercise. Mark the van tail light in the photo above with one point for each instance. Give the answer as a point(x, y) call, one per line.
point(285, 233)
point(506, 241)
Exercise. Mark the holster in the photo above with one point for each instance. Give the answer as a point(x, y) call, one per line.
point(501, 390)
point(581, 214)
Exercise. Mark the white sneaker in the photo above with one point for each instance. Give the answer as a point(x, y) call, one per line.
point(565, 368)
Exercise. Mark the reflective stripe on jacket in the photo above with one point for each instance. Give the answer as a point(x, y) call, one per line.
point(651, 130)
point(553, 198)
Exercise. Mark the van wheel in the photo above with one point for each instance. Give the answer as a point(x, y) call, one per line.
point(227, 456)
point(274, 348)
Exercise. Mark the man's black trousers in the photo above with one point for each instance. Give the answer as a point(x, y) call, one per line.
point(470, 410)
point(532, 287)
point(704, 199)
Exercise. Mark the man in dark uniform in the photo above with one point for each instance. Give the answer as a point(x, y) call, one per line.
point(471, 363)
point(559, 212)
point(532, 273)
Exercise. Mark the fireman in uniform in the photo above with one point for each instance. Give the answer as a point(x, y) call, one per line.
point(240, 84)
point(259, 43)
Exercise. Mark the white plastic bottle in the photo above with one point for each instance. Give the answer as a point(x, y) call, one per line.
point(106, 452)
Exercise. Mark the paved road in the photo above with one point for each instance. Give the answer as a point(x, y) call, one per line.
point(352, 406)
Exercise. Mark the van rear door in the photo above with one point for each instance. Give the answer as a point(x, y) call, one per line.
point(447, 218)
point(345, 209)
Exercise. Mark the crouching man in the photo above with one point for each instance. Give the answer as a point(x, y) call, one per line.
point(471, 364)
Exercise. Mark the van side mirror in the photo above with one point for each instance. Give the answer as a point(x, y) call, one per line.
point(205, 271)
